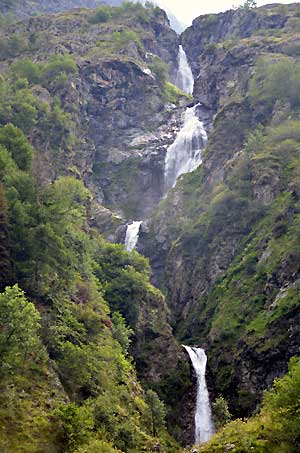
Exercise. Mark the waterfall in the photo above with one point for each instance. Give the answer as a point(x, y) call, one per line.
point(184, 155)
point(184, 77)
point(132, 235)
point(204, 427)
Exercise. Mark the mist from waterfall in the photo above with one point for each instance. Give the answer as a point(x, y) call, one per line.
point(204, 426)
point(132, 235)
point(184, 76)
point(184, 155)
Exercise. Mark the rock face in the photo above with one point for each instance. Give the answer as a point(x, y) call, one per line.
point(25, 8)
point(223, 48)
point(122, 120)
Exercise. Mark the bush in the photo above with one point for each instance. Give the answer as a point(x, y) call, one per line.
point(12, 46)
point(102, 14)
point(160, 69)
point(55, 73)
point(274, 81)
point(16, 143)
point(221, 412)
point(74, 425)
point(26, 69)
point(122, 38)
point(19, 322)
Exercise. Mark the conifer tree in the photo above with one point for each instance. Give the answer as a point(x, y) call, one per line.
point(5, 264)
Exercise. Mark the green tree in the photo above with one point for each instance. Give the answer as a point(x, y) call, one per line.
point(74, 425)
point(157, 411)
point(19, 322)
point(121, 332)
point(276, 81)
point(5, 263)
point(221, 412)
point(102, 14)
point(26, 69)
point(17, 144)
point(249, 4)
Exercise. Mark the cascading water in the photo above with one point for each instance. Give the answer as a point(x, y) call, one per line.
point(184, 155)
point(204, 426)
point(184, 76)
point(132, 235)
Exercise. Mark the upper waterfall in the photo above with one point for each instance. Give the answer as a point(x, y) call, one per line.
point(132, 235)
point(184, 77)
point(184, 155)
point(204, 426)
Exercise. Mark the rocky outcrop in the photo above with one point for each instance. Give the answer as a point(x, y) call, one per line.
point(223, 48)
point(212, 29)
point(122, 121)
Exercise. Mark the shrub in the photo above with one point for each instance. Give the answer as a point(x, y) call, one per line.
point(121, 39)
point(160, 69)
point(26, 69)
point(102, 14)
point(19, 322)
point(55, 73)
point(279, 80)
point(221, 412)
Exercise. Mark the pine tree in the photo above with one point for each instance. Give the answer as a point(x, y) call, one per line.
point(5, 264)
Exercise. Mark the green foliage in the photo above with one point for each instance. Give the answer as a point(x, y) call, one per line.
point(102, 14)
point(26, 69)
point(159, 69)
point(121, 332)
point(122, 39)
point(256, 141)
point(276, 80)
point(276, 428)
point(98, 446)
point(57, 70)
point(106, 13)
point(12, 46)
point(221, 412)
point(173, 94)
point(73, 424)
point(249, 4)
point(19, 321)
point(5, 263)
point(53, 74)
point(157, 411)
point(17, 145)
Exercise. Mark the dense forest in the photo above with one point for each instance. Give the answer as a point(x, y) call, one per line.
point(91, 333)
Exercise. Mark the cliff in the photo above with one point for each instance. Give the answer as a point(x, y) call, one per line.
point(212, 243)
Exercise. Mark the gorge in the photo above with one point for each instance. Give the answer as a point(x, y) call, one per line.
point(149, 198)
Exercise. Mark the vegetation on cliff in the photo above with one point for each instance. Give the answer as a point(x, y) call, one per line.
point(66, 376)
point(73, 308)
point(275, 429)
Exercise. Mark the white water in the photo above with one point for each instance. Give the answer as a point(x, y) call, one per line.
point(204, 426)
point(184, 155)
point(184, 77)
point(132, 235)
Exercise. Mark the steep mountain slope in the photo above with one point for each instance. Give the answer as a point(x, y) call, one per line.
point(87, 115)
point(111, 99)
point(224, 242)
point(67, 375)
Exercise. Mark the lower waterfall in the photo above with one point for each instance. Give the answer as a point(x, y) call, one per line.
point(132, 235)
point(184, 155)
point(204, 426)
